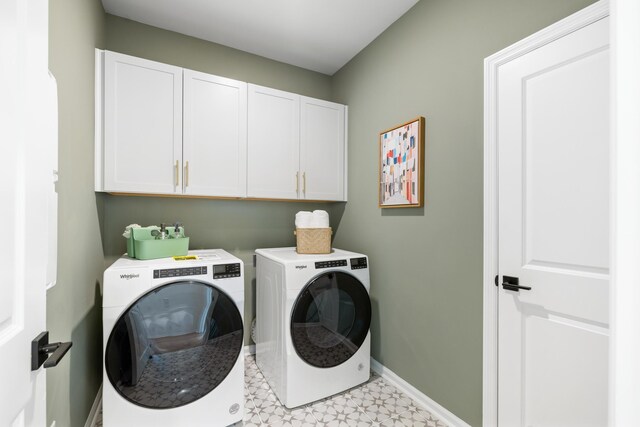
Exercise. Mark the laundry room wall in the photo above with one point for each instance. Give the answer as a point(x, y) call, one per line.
point(237, 226)
point(426, 263)
point(74, 311)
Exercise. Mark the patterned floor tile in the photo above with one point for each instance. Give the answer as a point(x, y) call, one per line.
point(251, 414)
point(255, 385)
point(280, 416)
point(374, 403)
point(381, 386)
point(249, 375)
point(379, 400)
point(265, 399)
point(432, 420)
point(410, 418)
point(339, 411)
point(252, 372)
point(247, 424)
point(251, 367)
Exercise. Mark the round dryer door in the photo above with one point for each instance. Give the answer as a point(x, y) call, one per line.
point(174, 345)
point(330, 319)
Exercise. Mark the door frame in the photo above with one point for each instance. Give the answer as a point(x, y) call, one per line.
point(580, 19)
point(624, 351)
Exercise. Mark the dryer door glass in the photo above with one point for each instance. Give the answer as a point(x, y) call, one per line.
point(330, 319)
point(174, 345)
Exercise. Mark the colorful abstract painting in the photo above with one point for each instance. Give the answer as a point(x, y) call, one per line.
point(401, 165)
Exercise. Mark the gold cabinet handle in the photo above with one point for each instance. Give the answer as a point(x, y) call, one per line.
point(297, 182)
point(186, 174)
point(304, 182)
point(177, 173)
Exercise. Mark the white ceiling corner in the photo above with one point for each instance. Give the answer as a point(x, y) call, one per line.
point(319, 35)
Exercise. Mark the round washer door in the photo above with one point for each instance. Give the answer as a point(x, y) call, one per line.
point(330, 319)
point(174, 345)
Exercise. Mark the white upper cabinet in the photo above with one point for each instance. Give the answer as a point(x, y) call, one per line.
point(215, 136)
point(162, 129)
point(296, 146)
point(274, 143)
point(322, 149)
point(142, 129)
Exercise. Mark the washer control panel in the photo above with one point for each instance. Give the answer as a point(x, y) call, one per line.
point(224, 271)
point(358, 263)
point(179, 272)
point(329, 264)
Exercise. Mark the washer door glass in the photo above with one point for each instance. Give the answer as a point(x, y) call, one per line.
point(330, 319)
point(174, 345)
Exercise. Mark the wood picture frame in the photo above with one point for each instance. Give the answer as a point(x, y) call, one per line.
point(401, 165)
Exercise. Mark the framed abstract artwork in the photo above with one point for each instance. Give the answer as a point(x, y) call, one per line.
point(402, 165)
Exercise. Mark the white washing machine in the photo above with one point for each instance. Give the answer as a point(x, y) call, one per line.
point(173, 341)
point(313, 314)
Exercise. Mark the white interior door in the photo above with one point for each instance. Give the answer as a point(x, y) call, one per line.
point(27, 129)
point(553, 160)
point(215, 135)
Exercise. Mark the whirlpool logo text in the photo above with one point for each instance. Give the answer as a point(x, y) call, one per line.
point(129, 276)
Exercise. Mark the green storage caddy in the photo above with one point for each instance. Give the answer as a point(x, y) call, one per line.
point(142, 245)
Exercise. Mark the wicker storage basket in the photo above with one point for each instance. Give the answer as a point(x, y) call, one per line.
point(313, 240)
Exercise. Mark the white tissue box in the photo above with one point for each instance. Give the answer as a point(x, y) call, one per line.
point(313, 240)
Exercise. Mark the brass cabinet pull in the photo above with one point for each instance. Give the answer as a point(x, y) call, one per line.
point(177, 172)
point(304, 182)
point(186, 174)
point(297, 182)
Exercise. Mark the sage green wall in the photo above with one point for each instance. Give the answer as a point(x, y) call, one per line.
point(237, 226)
point(74, 312)
point(145, 41)
point(426, 264)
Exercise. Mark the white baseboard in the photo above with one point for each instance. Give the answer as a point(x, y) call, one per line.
point(249, 349)
point(95, 409)
point(419, 397)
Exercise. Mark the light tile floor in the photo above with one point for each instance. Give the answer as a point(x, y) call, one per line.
point(375, 403)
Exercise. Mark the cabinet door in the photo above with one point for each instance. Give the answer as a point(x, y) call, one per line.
point(215, 136)
point(273, 149)
point(322, 150)
point(143, 125)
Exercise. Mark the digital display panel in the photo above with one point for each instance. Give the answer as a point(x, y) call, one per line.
point(219, 269)
point(358, 263)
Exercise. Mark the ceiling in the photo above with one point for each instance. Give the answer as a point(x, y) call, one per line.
point(319, 35)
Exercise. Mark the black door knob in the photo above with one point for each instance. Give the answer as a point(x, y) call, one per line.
point(40, 349)
point(513, 284)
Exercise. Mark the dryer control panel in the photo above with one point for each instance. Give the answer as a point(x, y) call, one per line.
point(334, 263)
point(224, 271)
point(179, 272)
point(358, 263)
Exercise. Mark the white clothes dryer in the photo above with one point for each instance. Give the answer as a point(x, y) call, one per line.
point(313, 314)
point(173, 341)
